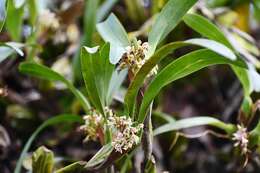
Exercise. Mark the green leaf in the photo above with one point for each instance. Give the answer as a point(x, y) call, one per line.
point(116, 81)
point(44, 72)
point(209, 30)
point(135, 10)
point(8, 48)
point(83, 166)
point(3, 10)
point(166, 117)
point(97, 72)
point(167, 20)
point(100, 156)
point(67, 118)
point(214, 46)
point(193, 122)
point(33, 10)
point(139, 78)
point(206, 28)
point(112, 31)
point(256, 9)
point(107, 73)
point(77, 167)
point(243, 76)
point(105, 8)
point(90, 21)
point(157, 57)
point(88, 55)
point(180, 68)
point(42, 160)
point(90, 12)
point(255, 135)
point(14, 20)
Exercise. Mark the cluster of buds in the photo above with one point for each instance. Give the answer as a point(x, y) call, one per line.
point(49, 20)
point(135, 57)
point(123, 130)
point(241, 139)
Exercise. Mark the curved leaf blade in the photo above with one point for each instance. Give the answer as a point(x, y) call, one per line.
point(52, 121)
point(161, 54)
point(193, 122)
point(180, 68)
point(167, 20)
point(44, 72)
point(139, 78)
point(112, 31)
point(214, 46)
point(207, 29)
point(91, 75)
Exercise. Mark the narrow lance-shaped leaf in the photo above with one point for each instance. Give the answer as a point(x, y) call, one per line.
point(14, 20)
point(209, 30)
point(139, 78)
point(180, 68)
point(52, 121)
point(167, 20)
point(91, 76)
point(100, 156)
point(112, 31)
point(214, 46)
point(83, 166)
point(206, 28)
point(162, 53)
point(105, 8)
point(193, 122)
point(44, 72)
point(90, 12)
point(116, 81)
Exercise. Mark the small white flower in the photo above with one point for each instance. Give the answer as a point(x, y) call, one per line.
point(241, 139)
point(124, 133)
point(135, 57)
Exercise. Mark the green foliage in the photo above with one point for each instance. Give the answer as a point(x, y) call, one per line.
point(100, 68)
point(8, 48)
point(193, 122)
point(50, 122)
point(113, 32)
point(97, 72)
point(3, 11)
point(209, 30)
point(14, 20)
point(44, 72)
point(167, 20)
point(42, 161)
point(180, 68)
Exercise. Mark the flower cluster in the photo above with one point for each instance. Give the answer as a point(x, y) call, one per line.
point(135, 57)
point(48, 19)
point(241, 139)
point(93, 126)
point(124, 132)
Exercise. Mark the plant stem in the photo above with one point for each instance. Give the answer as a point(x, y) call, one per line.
point(147, 138)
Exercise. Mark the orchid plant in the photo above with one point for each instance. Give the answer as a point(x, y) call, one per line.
point(105, 67)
